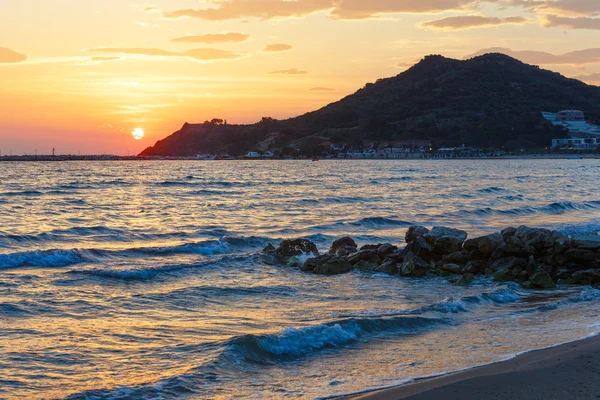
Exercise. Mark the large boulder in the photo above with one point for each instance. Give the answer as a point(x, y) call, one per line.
point(343, 246)
point(420, 247)
point(534, 237)
point(389, 267)
point(415, 232)
point(586, 242)
point(452, 268)
point(459, 257)
point(334, 266)
point(542, 279)
point(586, 277)
point(445, 240)
point(365, 255)
point(364, 265)
point(484, 244)
point(414, 266)
point(312, 263)
point(487, 244)
point(504, 275)
point(297, 247)
point(508, 263)
point(582, 255)
point(385, 250)
point(474, 267)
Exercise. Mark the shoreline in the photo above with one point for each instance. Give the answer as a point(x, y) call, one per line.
point(65, 158)
point(564, 371)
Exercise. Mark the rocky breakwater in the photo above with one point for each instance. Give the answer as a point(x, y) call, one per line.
point(533, 257)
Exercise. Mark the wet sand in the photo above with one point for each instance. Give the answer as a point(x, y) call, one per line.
point(569, 371)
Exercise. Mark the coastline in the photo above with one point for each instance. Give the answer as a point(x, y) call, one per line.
point(566, 371)
point(65, 158)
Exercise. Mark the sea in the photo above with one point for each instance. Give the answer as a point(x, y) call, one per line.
point(143, 279)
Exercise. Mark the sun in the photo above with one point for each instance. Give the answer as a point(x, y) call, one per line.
point(137, 133)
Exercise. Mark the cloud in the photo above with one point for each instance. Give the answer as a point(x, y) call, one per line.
point(8, 56)
point(105, 58)
point(195, 54)
point(292, 71)
point(339, 9)
point(321, 89)
point(472, 21)
point(569, 7)
point(577, 58)
point(229, 37)
point(554, 21)
point(276, 48)
point(595, 78)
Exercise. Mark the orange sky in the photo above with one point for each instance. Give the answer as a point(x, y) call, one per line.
point(80, 76)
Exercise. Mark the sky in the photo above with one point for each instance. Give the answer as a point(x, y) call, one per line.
point(81, 76)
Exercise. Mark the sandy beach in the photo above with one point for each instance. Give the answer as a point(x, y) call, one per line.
point(568, 371)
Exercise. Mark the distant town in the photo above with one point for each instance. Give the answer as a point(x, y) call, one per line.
point(583, 138)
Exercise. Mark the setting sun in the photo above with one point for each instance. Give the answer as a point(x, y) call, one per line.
point(138, 133)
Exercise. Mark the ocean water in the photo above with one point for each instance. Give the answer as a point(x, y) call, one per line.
point(141, 280)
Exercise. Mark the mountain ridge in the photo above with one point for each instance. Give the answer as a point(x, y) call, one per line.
point(490, 100)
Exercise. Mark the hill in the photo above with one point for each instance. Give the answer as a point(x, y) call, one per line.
point(491, 100)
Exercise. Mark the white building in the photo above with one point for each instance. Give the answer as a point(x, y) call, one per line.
point(576, 143)
point(253, 154)
point(573, 121)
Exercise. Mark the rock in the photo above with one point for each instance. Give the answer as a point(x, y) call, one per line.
point(534, 237)
point(561, 244)
point(563, 273)
point(385, 250)
point(453, 268)
point(414, 266)
point(487, 244)
point(569, 281)
point(389, 266)
point(508, 263)
point(398, 255)
point(344, 244)
point(582, 255)
point(415, 232)
point(586, 242)
point(586, 277)
point(542, 279)
point(465, 280)
point(527, 285)
point(445, 240)
point(269, 248)
point(477, 255)
point(312, 263)
point(296, 247)
point(512, 247)
point(366, 255)
point(370, 247)
point(459, 257)
point(508, 232)
point(364, 265)
point(484, 244)
point(334, 266)
point(420, 247)
point(474, 267)
point(504, 275)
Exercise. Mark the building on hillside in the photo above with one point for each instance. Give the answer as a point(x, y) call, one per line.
point(573, 121)
point(576, 143)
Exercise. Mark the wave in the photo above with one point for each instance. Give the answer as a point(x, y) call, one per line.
point(553, 208)
point(41, 258)
point(493, 189)
point(586, 295)
point(145, 274)
point(23, 193)
point(63, 258)
point(379, 222)
point(296, 342)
